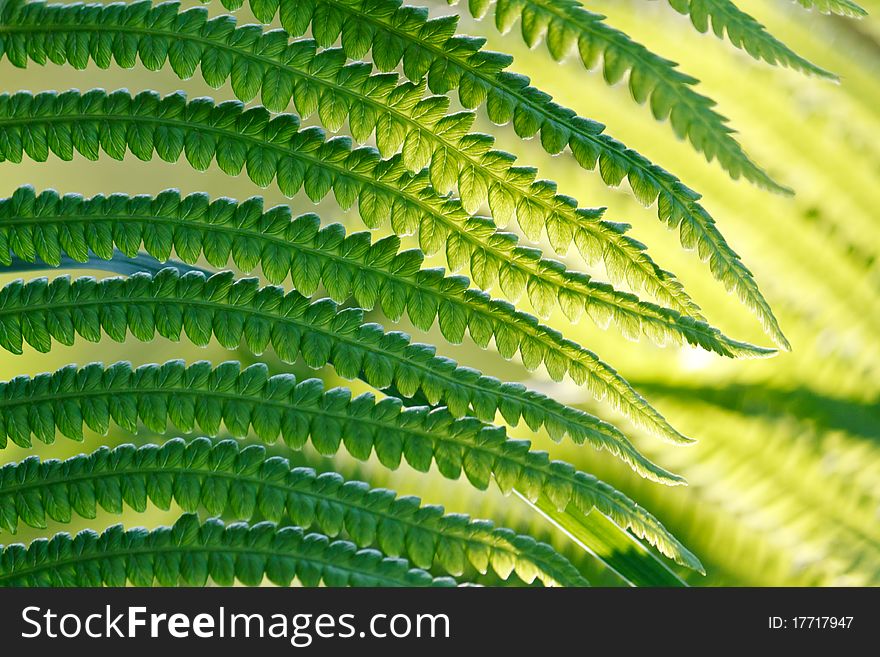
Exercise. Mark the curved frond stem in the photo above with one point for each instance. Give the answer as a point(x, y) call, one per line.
point(275, 149)
point(241, 483)
point(278, 405)
point(117, 263)
point(190, 553)
point(619, 551)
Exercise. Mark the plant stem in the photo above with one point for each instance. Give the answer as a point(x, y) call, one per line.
point(118, 264)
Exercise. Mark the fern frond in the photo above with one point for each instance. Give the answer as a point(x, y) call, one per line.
point(320, 332)
point(275, 149)
point(567, 26)
point(430, 49)
point(190, 553)
point(839, 7)
point(745, 33)
point(265, 64)
point(278, 405)
point(46, 226)
point(226, 479)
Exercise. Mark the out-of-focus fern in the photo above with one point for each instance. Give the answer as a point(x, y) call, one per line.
point(840, 7)
point(744, 32)
point(806, 509)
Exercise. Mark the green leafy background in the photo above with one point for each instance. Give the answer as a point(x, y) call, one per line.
point(784, 481)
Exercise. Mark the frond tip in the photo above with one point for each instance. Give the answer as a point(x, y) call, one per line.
point(191, 553)
point(566, 26)
point(240, 483)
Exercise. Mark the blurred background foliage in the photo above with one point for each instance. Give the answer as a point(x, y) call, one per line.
point(785, 479)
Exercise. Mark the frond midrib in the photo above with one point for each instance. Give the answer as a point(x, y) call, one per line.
point(686, 96)
point(628, 452)
point(217, 549)
point(791, 59)
point(488, 539)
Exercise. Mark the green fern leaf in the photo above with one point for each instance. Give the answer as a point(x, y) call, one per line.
point(568, 26)
point(245, 399)
point(233, 312)
point(405, 35)
point(202, 474)
point(401, 118)
point(242, 139)
point(190, 553)
point(47, 225)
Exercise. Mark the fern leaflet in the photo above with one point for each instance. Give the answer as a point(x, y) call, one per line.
point(745, 33)
point(274, 148)
point(201, 474)
point(430, 49)
point(145, 395)
point(320, 83)
point(190, 553)
point(653, 79)
point(169, 304)
point(46, 226)
point(278, 405)
point(839, 7)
